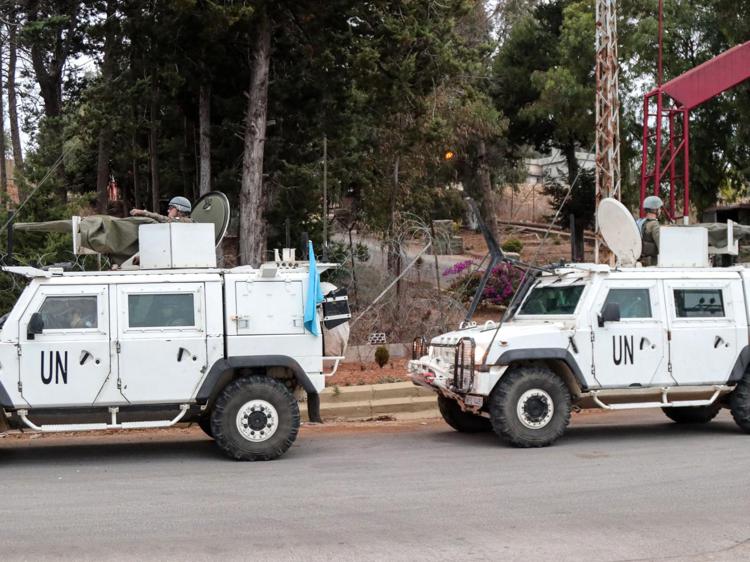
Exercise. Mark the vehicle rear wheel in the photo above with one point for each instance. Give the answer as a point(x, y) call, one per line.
point(204, 422)
point(739, 403)
point(255, 419)
point(530, 407)
point(692, 414)
point(459, 420)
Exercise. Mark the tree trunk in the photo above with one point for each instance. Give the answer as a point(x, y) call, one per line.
point(15, 133)
point(102, 169)
point(488, 210)
point(153, 139)
point(569, 150)
point(204, 124)
point(394, 251)
point(48, 66)
point(134, 164)
point(105, 131)
point(3, 169)
point(253, 198)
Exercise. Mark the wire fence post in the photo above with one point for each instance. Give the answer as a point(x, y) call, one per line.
point(11, 217)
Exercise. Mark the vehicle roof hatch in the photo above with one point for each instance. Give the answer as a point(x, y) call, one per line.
point(213, 208)
point(619, 230)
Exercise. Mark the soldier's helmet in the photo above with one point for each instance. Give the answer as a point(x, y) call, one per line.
point(652, 203)
point(181, 204)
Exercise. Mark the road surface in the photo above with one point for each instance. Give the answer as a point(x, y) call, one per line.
point(623, 486)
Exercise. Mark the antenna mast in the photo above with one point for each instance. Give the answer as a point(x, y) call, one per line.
point(607, 106)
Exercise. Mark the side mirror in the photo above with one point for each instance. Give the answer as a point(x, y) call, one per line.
point(36, 325)
point(610, 313)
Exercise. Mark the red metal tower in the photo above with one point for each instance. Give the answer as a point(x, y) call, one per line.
point(665, 165)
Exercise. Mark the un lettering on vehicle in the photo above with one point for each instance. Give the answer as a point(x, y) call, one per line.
point(623, 350)
point(56, 364)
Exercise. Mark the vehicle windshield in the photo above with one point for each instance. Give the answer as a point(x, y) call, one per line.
point(552, 300)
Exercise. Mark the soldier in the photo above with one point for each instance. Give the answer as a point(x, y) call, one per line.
point(649, 229)
point(178, 211)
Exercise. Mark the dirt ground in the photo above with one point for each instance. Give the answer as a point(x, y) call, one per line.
point(356, 373)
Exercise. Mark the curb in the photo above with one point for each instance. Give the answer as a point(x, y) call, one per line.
point(399, 400)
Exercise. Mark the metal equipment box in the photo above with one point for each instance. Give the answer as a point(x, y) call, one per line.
point(176, 245)
point(681, 246)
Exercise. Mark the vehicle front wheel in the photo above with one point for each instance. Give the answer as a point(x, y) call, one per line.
point(255, 419)
point(466, 422)
point(530, 407)
point(739, 403)
point(692, 414)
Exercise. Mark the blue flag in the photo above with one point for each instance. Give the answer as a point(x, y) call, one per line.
point(314, 295)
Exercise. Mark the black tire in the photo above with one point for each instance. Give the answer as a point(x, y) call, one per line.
point(544, 401)
point(692, 414)
point(739, 403)
point(237, 397)
point(459, 420)
point(204, 422)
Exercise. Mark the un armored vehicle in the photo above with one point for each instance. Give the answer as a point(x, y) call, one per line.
point(174, 340)
point(673, 336)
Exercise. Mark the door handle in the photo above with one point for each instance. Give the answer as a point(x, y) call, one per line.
point(182, 351)
point(85, 355)
point(719, 340)
point(646, 341)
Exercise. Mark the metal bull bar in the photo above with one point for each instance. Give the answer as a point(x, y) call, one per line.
point(463, 366)
point(463, 376)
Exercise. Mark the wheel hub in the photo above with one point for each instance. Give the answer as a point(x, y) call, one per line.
point(257, 420)
point(535, 408)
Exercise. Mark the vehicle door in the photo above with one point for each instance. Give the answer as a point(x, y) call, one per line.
point(631, 351)
point(70, 360)
point(703, 346)
point(161, 336)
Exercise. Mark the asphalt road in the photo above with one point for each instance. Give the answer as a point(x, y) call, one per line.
point(616, 487)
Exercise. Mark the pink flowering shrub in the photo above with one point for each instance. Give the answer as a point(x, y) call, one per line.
point(500, 286)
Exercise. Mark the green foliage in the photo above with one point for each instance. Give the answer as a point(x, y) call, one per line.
point(579, 203)
point(382, 356)
point(512, 245)
point(390, 86)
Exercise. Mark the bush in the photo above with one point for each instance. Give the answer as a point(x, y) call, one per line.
point(382, 356)
point(512, 245)
point(499, 289)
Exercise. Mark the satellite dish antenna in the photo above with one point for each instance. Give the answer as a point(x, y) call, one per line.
point(213, 208)
point(619, 230)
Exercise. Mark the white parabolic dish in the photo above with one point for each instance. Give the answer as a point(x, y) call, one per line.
point(619, 230)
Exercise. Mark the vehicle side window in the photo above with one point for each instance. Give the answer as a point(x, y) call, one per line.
point(699, 303)
point(634, 303)
point(161, 310)
point(69, 313)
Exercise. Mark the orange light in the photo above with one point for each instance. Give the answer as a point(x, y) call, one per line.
point(449, 155)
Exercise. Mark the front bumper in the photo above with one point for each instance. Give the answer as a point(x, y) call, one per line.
point(427, 375)
point(423, 373)
point(449, 365)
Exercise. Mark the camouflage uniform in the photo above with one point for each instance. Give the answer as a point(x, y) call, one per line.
point(650, 242)
point(161, 218)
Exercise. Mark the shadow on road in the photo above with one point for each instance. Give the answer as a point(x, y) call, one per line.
point(82, 452)
point(581, 433)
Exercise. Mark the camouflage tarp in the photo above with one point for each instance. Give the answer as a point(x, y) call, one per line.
point(111, 236)
point(717, 232)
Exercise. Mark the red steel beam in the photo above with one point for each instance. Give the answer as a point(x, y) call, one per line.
point(711, 78)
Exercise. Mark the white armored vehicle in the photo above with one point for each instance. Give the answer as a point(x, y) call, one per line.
point(673, 337)
point(175, 340)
